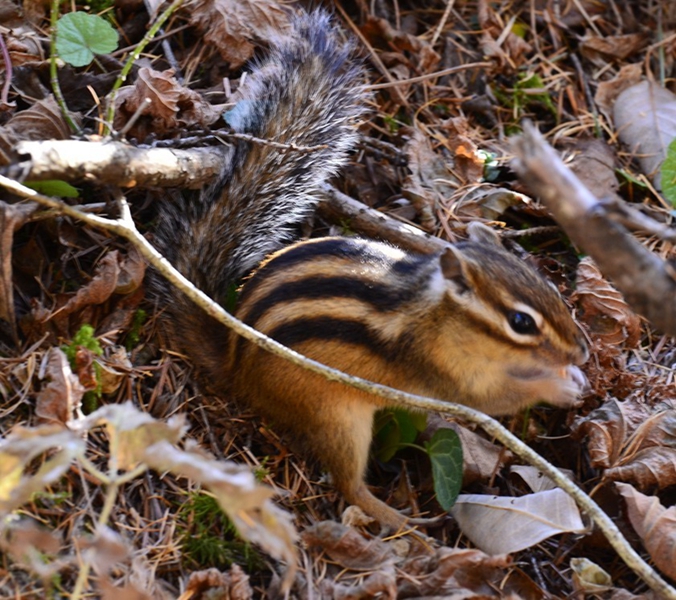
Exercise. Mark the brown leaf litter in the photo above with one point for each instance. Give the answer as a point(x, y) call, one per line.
point(434, 152)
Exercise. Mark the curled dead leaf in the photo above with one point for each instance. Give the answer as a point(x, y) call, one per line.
point(632, 441)
point(605, 430)
point(588, 577)
point(649, 468)
point(59, 399)
point(603, 308)
point(655, 525)
point(211, 583)
point(20, 447)
point(348, 547)
point(132, 272)
point(171, 105)
point(99, 289)
point(231, 25)
point(113, 369)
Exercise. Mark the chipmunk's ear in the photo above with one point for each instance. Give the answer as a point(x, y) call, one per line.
point(454, 268)
point(483, 235)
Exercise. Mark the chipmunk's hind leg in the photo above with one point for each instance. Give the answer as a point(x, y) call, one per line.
point(342, 447)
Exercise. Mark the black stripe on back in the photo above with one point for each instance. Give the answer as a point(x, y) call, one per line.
point(356, 250)
point(327, 328)
point(379, 296)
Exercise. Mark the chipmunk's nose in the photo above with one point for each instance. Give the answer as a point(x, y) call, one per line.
point(582, 350)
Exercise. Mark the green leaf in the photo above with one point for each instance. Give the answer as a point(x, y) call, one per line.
point(54, 187)
point(668, 174)
point(79, 36)
point(445, 452)
point(396, 428)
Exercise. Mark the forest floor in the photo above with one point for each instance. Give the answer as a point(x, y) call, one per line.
point(123, 501)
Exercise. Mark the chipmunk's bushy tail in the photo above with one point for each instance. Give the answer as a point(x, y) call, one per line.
point(308, 92)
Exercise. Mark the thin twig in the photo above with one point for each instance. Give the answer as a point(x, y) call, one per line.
point(449, 71)
point(125, 228)
point(4, 97)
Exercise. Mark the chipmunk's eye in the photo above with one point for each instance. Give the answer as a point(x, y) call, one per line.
point(522, 323)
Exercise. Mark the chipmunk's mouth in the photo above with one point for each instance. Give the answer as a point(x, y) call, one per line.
point(530, 373)
point(568, 372)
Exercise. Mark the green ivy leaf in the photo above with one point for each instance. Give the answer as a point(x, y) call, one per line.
point(396, 428)
point(445, 452)
point(79, 36)
point(54, 187)
point(668, 174)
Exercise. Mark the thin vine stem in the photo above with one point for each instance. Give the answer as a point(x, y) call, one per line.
point(125, 228)
point(133, 57)
point(54, 70)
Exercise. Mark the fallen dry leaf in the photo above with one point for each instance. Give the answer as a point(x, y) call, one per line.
point(655, 525)
point(212, 583)
point(632, 441)
point(603, 309)
point(231, 25)
point(501, 524)
point(429, 181)
point(487, 201)
point(536, 480)
point(113, 368)
point(608, 91)
point(605, 430)
point(594, 164)
point(132, 272)
point(348, 547)
point(588, 577)
point(507, 49)
point(645, 117)
point(42, 121)
point(452, 571)
point(12, 216)
point(59, 400)
point(613, 46)
point(103, 550)
point(99, 289)
point(129, 591)
point(649, 468)
point(171, 105)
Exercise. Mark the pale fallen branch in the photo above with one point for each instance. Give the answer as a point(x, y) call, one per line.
point(124, 227)
point(117, 163)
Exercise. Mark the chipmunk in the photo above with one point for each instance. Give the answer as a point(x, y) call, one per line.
point(472, 325)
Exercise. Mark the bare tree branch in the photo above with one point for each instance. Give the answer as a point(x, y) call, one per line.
point(117, 163)
point(647, 282)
